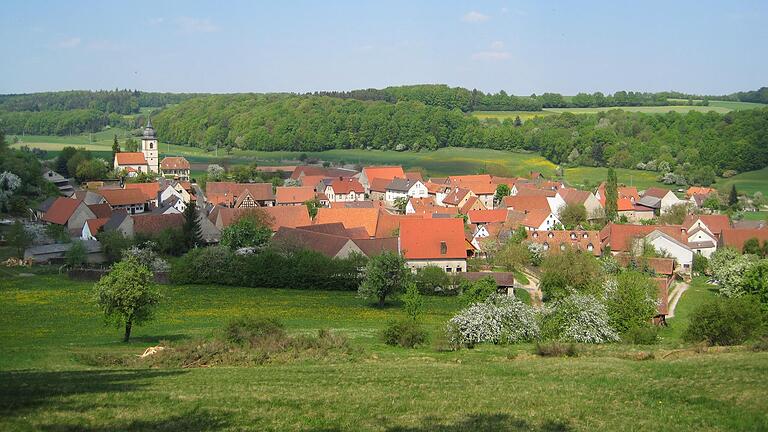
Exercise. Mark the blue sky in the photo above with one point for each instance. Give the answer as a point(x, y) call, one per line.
point(522, 47)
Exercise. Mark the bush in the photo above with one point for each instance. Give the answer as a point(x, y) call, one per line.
point(245, 330)
point(405, 333)
point(77, 255)
point(556, 349)
point(499, 319)
point(631, 301)
point(147, 256)
point(642, 335)
point(700, 263)
point(760, 345)
point(432, 280)
point(477, 291)
point(578, 318)
point(209, 265)
point(725, 321)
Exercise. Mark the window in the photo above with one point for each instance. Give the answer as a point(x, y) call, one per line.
point(584, 235)
point(443, 248)
point(573, 236)
point(535, 235)
point(562, 246)
point(590, 247)
point(447, 269)
point(458, 269)
point(546, 246)
point(151, 145)
point(550, 235)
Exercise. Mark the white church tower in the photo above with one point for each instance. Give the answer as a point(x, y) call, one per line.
point(149, 147)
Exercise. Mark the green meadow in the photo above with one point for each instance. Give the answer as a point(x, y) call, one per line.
point(49, 324)
point(748, 182)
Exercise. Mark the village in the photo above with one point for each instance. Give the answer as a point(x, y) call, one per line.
point(456, 223)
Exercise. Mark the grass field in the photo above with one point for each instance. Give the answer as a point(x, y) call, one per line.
point(749, 182)
point(509, 115)
point(46, 321)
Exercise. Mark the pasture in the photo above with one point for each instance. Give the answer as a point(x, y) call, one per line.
point(48, 323)
point(747, 182)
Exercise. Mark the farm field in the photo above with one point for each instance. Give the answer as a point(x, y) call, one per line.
point(749, 182)
point(46, 321)
point(509, 115)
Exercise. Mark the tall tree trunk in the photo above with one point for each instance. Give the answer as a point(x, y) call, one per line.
point(381, 301)
point(127, 331)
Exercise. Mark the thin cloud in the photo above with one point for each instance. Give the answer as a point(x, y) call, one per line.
point(71, 42)
point(496, 53)
point(156, 21)
point(475, 17)
point(196, 25)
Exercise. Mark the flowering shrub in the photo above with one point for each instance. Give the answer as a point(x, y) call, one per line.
point(499, 319)
point(147, 256)
point(728, 267)
point(578, 318)
point(537, 252)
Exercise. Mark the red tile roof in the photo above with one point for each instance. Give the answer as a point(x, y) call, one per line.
point(131, 158)
point(473, 203)
point(735, 238)
point(94, 225)
point(574, 239)
point(385, 172)
point(101, 210)
point(525, 203)
point(656, 192)
point(287, 216)
point(118, 197)
point(155, 223)
point(259, 191)
point(174, 163)
point(619, 237)
point(378, 185)
point(433, 239)
point(455, 196)
point(346, 186)
point(293, 195)
point(487, 216)
point(715, 223)
point(696, 190)
point(414, 175)
point(149, 190)
point(61, 210)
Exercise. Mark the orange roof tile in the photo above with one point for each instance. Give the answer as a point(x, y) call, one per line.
point(385, 172)
point(293, 195)
point(487, 216)
point(619, 236)
point(149, 190)
point(174, 163)
point(61, 210)
point(735, 237)
point(94, 225)
point(433, 239)
point(131, 158)
point(117, 197)
point(575, 239)
point(346, 186)
point(525, 203)
point(716, 223)
point(367, 218)
point(156, 223)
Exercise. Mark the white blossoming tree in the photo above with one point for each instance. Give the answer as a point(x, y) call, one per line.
point(578, 318)
point(499, 319)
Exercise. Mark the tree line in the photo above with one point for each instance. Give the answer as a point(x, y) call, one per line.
point(105, 101)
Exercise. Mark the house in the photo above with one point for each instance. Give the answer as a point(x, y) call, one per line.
point(91, 227)
point(377, 222)
point(483, 217)
point(377, 190)
point(287, 216)
point(302, 172)
point(427, 207)
point(437, 190)
point(131, 200)
point(133, 163)
point(345, 190)
point(64, 186)
point(405, 188)
point(539, 220)
point(704, 231)
point(175, 167)
point(457, 197)
point(44, 206)
point(237, 195)
point(151, 191)
point(622, 238)
point(88, 197)
point(667, 198)
point(472, 204)
point(580, 240)
point(154, 224)
point(292, 196)
point(69, 213)
point(590, 202)
point(669, 245)
point(339, 244)
point(434, 242)
point(120, 221)
point(736, 237)
point(382, 172)
point(697, 190)
point(481, 185)
point(505, 281)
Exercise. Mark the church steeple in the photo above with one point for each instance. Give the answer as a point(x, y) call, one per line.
point(149, 146)
point(149, 131)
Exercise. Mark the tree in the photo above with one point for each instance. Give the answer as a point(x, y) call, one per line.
point(631, 302)
point(413, 302)
point(502, 190)
point(611, 196)
point(215, 172)
point(115, 148)
point(513, 256)
point(250, 230)
point(756, 282)
point(675, 215)
point(131, 145)
point(724, 321)
point(752, 247)
point(568, 271)
point(91, 169)
point(477, 291)
point(19, 238)
point(432, 280)
point(113, 244)
point(312, 206)
point(77, 255)
point(191, 229)
point(733, 197)
point(9, 183)
point(385, 275)
point(401, 203)
point(126, 295)
point(573, 215)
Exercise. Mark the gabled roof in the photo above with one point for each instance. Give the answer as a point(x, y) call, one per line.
point(346, 186)
point(655, 234)
point(735, 238)
point(384, 172)
point(487, 216)
point(433, 239)
point(61, 210)
point(534, 218)
point(573, 196)
point(94, 225)
point(259, 191)
point(620, 236)
point(376, 222)
point(45, 205)
point(174, 163)
point(401, 185)
point(88, 197)
point(337, 229)
point(436, 187)
point(312, 181)
point(378, 185)
point(697, 190)
point(326, 244)
point(156, 223)
point(117, 218)
point(525, 203)
point(656, 192)
point(311, 171)
point(650, 201)
point(480, 184)
point(426, 207)
point(473, 203)
point(293, 195)
point(533, 191)
point(455, 196)
point(715, 223)
point(130, 158)
point(375, 246)
point(414, 175)
point(150, 190)
point(118, 197)
point(101, 210)
point(288, 216)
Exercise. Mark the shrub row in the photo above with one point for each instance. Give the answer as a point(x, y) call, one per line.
point(268, 269)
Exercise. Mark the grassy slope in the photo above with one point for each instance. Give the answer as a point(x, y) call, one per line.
point(749, 182)
point(44, 320)
point(698, 293)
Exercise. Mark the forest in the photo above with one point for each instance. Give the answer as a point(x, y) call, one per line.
point(712, 142)
point(105, 101)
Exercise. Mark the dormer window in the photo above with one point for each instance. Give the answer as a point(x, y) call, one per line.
point(573, 236)
point(546, 246)
point(562, 246)
point(584, 235)
point(551, 234)
point(590, 247)
point(535, 235)
point(443, 248)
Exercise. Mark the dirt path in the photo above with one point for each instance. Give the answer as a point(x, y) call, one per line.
point(674, 297)
point(533, 289)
